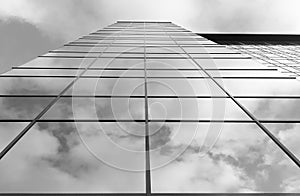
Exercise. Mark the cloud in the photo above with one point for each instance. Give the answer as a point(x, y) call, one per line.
point(55, 22)
point(17, 36)
point(242, 160)
point(59, 20)
point(62, 163)
point(70, 18)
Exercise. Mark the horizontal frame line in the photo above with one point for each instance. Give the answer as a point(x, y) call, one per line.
point(120, 57)
point(154, 96)
point(99, 52)
point(154, 46)
point(150, 69)
point(141, 77)
point(150, 120)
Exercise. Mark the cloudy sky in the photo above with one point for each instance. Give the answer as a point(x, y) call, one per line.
point(32, 27)
point(110, 157)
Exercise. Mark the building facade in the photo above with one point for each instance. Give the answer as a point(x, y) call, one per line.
point(276, 51)
point(148, 107)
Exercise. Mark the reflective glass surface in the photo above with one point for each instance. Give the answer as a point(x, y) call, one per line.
point(242, 153)
point(262, 87)
point(32, 86)
point(8, 131)
point(97, 108)
point(183, 87)
point(149, 107)
point(288, 134)
point(195, 109)
point(22, 107)
point(273, 109)
point(107, 86)
point(58, 62)
point(68, 157)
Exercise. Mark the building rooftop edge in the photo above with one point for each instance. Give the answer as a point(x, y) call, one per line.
point(251, 37)
point(140, 21)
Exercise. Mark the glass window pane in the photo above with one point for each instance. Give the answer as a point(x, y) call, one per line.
point(58, 62)
point(175, 73)
point(124, 49)
point(8, 131)
point(183, 87)
point(163, 50)
point(171, 64)
point(81, 49)
point(52, 158)
point(107, 86)
point(159, 42)
point(71, 54)
point(288, 134)
point(229, 63)
point(22, 107)
point(195, 109)
point(237, 56)
point(44, 72)
point(207, 50)
point(262, 86)
point(120, 73)
point(33, 86)
point(97, 108)
point(214, 73)
point(273, 109)
point(128, 41)
point(246, 73)
point(195, 42)
point(123, 55)
point(93, 41)
point(239, 152)
point(119, 63)
point(167, 56)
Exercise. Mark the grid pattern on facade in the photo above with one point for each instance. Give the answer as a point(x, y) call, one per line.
point(278, 51)
point(152, 78)
point(283, 57)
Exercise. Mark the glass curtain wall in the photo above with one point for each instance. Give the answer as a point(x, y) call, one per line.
point(148, 107)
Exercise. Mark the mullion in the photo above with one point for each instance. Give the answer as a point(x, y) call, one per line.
point(33, 122)
point(147, 139)
point(249, 114)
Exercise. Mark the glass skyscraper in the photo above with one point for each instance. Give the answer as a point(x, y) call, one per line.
point(148, 107)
